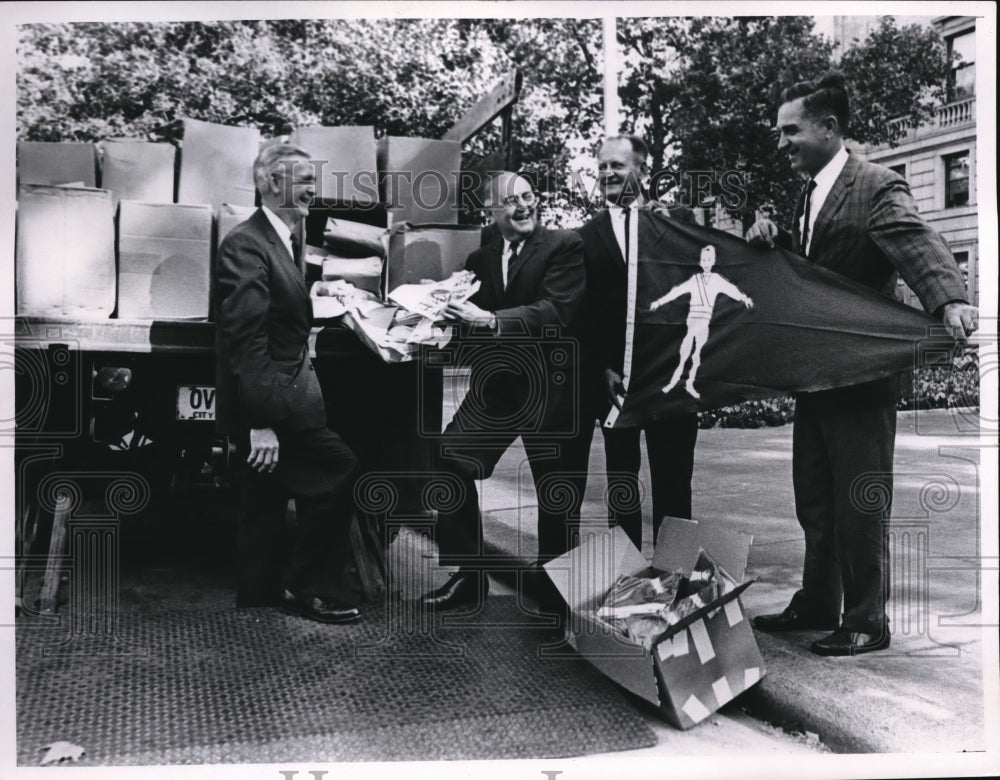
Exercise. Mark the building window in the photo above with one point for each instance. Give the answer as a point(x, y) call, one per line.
point(962, 81)
point(900, 169)
point(962, 260)
point(956, 180)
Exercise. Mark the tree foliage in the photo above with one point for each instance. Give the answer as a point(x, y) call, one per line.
point(409, 77)
point(896, 72)
point(705, 92)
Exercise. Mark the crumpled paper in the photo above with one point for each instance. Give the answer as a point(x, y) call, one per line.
point(431, 299)
point(397, 330)
point(642, 609)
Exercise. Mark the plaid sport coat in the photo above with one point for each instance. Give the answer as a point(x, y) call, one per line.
point(868, 229)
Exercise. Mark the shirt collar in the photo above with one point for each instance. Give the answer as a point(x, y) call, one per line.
point(283, 231)
point(826, 177)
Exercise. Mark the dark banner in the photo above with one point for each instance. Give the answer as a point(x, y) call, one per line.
point(718, 321)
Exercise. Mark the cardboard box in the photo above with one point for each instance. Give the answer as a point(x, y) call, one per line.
point(701, 662)
point(138, 170)
point(164, 256)
point(228, 217)
point(347, 238)
point(418, 252)
point(65, 256)
point(40, 162)
point(347, 162)
point(217, 164)
point(418, 179)
point(365, 273)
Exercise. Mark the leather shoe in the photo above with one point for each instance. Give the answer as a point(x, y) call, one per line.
point(791, 620)
point(845, 641)
point(461, 589)
point(319, 609)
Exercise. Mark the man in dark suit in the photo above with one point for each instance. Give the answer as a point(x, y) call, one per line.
point(613, 242)
point(858, 219)
point(270, 401)
point(517, 340)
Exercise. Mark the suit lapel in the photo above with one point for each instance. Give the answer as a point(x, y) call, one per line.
point(651, 229)
point(833, 202)
point(281, 261)
point(526, 250)
point(607, 235)
point(494, 270)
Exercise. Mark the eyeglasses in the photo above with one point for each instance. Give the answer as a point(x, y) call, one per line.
point(526, 199)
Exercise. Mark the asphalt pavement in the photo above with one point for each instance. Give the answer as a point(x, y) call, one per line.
point(927, 692)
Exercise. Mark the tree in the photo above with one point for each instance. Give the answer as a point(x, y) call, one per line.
point(912, 67)
point(706, 92)
point(411, 77)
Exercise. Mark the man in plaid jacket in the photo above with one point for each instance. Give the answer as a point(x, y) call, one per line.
point(858, 219)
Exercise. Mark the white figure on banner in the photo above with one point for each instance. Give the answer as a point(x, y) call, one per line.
point(703, 288)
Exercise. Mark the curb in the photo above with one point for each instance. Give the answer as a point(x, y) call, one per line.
point(763, 701)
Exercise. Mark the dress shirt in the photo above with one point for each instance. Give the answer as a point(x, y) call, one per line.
point(824, 183)
point(283, 231)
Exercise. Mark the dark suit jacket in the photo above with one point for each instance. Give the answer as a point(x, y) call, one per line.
point(536, 314)
point(868, 229)
point(264, 377)
point(605, 302)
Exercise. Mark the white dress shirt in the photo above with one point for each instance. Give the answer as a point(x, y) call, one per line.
point(824, 183)
point(283, 231)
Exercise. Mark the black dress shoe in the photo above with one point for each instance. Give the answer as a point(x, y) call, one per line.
point(461, 589)
point(791, 620)
point(845, 641)
point(319, 609)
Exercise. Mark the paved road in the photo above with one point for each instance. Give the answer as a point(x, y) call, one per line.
point(927, 692)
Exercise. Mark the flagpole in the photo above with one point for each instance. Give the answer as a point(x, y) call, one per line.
point(612, 103)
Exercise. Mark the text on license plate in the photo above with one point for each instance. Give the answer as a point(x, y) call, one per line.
point(195, 402)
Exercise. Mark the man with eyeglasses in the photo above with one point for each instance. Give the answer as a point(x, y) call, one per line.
point(271, 404)
point(613, 242)
point(516, 338)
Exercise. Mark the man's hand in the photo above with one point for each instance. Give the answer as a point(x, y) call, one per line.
point(657, 207)
point(615, 388)
point(469, 312)
point(748, 301)
point(263, 455)
point(762, 233)
point(960, 319)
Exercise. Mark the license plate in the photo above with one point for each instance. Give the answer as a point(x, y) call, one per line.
point(195, 402)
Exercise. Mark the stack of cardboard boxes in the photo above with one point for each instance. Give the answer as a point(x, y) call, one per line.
point(419, 183)
point(143, 247)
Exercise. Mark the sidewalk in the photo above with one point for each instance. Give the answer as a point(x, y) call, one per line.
point(925, 693)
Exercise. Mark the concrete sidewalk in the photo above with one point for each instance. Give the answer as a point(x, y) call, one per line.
point(924, 694)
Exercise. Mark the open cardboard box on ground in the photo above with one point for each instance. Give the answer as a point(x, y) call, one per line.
point(701, 662)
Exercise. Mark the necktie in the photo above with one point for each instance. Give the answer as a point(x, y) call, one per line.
point(628, 231)
point(510, 262)
point(296, 248)
point(804, 243)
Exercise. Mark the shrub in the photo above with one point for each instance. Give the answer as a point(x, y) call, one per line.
point(934, 387)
